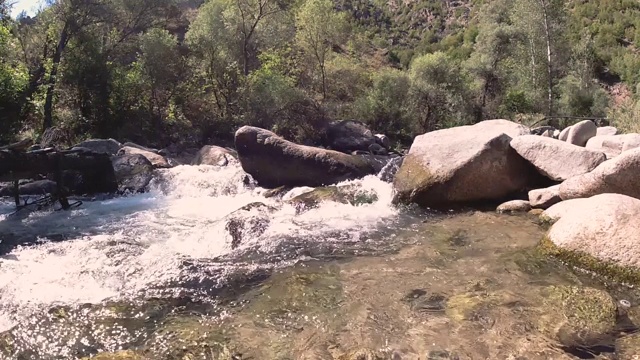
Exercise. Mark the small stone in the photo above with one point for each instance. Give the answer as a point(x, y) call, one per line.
point(514, 206)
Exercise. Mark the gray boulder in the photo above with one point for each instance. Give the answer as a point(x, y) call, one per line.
point(104, 146)
point(606, 130)
point(158, 161)
point(273, 161)
point(544, 198)
point(581, 132)
point(514, 206)
point(619, 175)
point(564, 134)
point(383, 140)
point(133, 172)
point(215, 155)
point(349, 135)
point(556, 159)
point(463, 164)
point(604, 227)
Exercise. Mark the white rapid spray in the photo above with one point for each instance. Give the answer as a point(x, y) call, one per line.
point(122, 247)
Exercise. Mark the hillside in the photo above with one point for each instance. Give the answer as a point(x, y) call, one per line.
point(160, 72)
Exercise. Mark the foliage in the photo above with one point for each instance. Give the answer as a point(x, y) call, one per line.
point(159, 72)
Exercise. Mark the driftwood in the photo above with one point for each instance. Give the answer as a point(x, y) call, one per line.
point(94, 167)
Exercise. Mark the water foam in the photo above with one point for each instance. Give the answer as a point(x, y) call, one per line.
point(123, 246)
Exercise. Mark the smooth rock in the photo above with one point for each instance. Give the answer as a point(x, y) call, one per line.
point(604, 227)
point(463, 164)
point(158, 161)
point(581, 132)
point(104, 146)
point(274, 161)
point(514, 206)
point(544, 198)
point(349, 135)
point(564, 134)
point(555, 212)
point(556, 159)
point(133, 172)
point(619, 175)
point(606, 130)
point(613, 147)
point(215, 155)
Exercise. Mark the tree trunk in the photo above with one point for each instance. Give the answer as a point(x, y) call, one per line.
point(543, 4)
point(324, 82)
point(245, 56)
point(51, 83)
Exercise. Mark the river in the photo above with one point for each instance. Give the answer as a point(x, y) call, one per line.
point(154, 276)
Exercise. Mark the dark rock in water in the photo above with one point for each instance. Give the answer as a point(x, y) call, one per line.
point(215, 155)
point(38, 187)
point(342, 194)
point(388, 172)
point(441, 355)
point(277, 192)
point(274, 161)
point(377, 149)
point(349, 135)
point(104, 146)
point(419, 301)
point(251, 220)
point(133, 172)
point(140, 147)
point(383, 140)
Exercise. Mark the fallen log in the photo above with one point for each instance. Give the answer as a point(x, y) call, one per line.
point(96, 169)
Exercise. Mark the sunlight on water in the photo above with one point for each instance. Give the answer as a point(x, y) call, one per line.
point(123, 246)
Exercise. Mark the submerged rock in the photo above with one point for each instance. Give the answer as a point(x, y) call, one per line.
point(601, 234)
point(463, 164)
point(118, 355)
point(576, 316)
point(628, 347)
point(274, 161)
point(251, 220)
point(556, 159)
point(345, 194)
point(389, 171)
point(619, 175)
point(133, 172)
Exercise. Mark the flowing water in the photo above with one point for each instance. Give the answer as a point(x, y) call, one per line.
point(155, 276)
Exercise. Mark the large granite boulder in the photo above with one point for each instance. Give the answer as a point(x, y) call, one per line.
point(103, 146)
point(614, 145)
point(273, 161)
point(606, 130)
point(463, 164)
point(348, 136)
point(157, 160)
point(133, 172)
point(215, 155)
point(581, 132)
point(555, 159)
point(619, 175)
point(602, 234)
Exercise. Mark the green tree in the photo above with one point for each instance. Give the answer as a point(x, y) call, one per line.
point(319, 28)
point(439, 92)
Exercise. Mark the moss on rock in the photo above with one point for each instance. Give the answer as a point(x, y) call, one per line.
point(576, 316)
point(628, 347)
point(609, 270)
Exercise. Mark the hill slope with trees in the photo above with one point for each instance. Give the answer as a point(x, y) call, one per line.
point(160, 72)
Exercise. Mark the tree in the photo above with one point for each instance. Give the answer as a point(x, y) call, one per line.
point(249, 14)
point(320, 27)
point(439, 93)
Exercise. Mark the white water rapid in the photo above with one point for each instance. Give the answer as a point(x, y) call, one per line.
point(172, 236)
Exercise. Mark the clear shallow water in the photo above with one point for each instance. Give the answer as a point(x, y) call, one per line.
point(166, 239)
point(155, 275)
